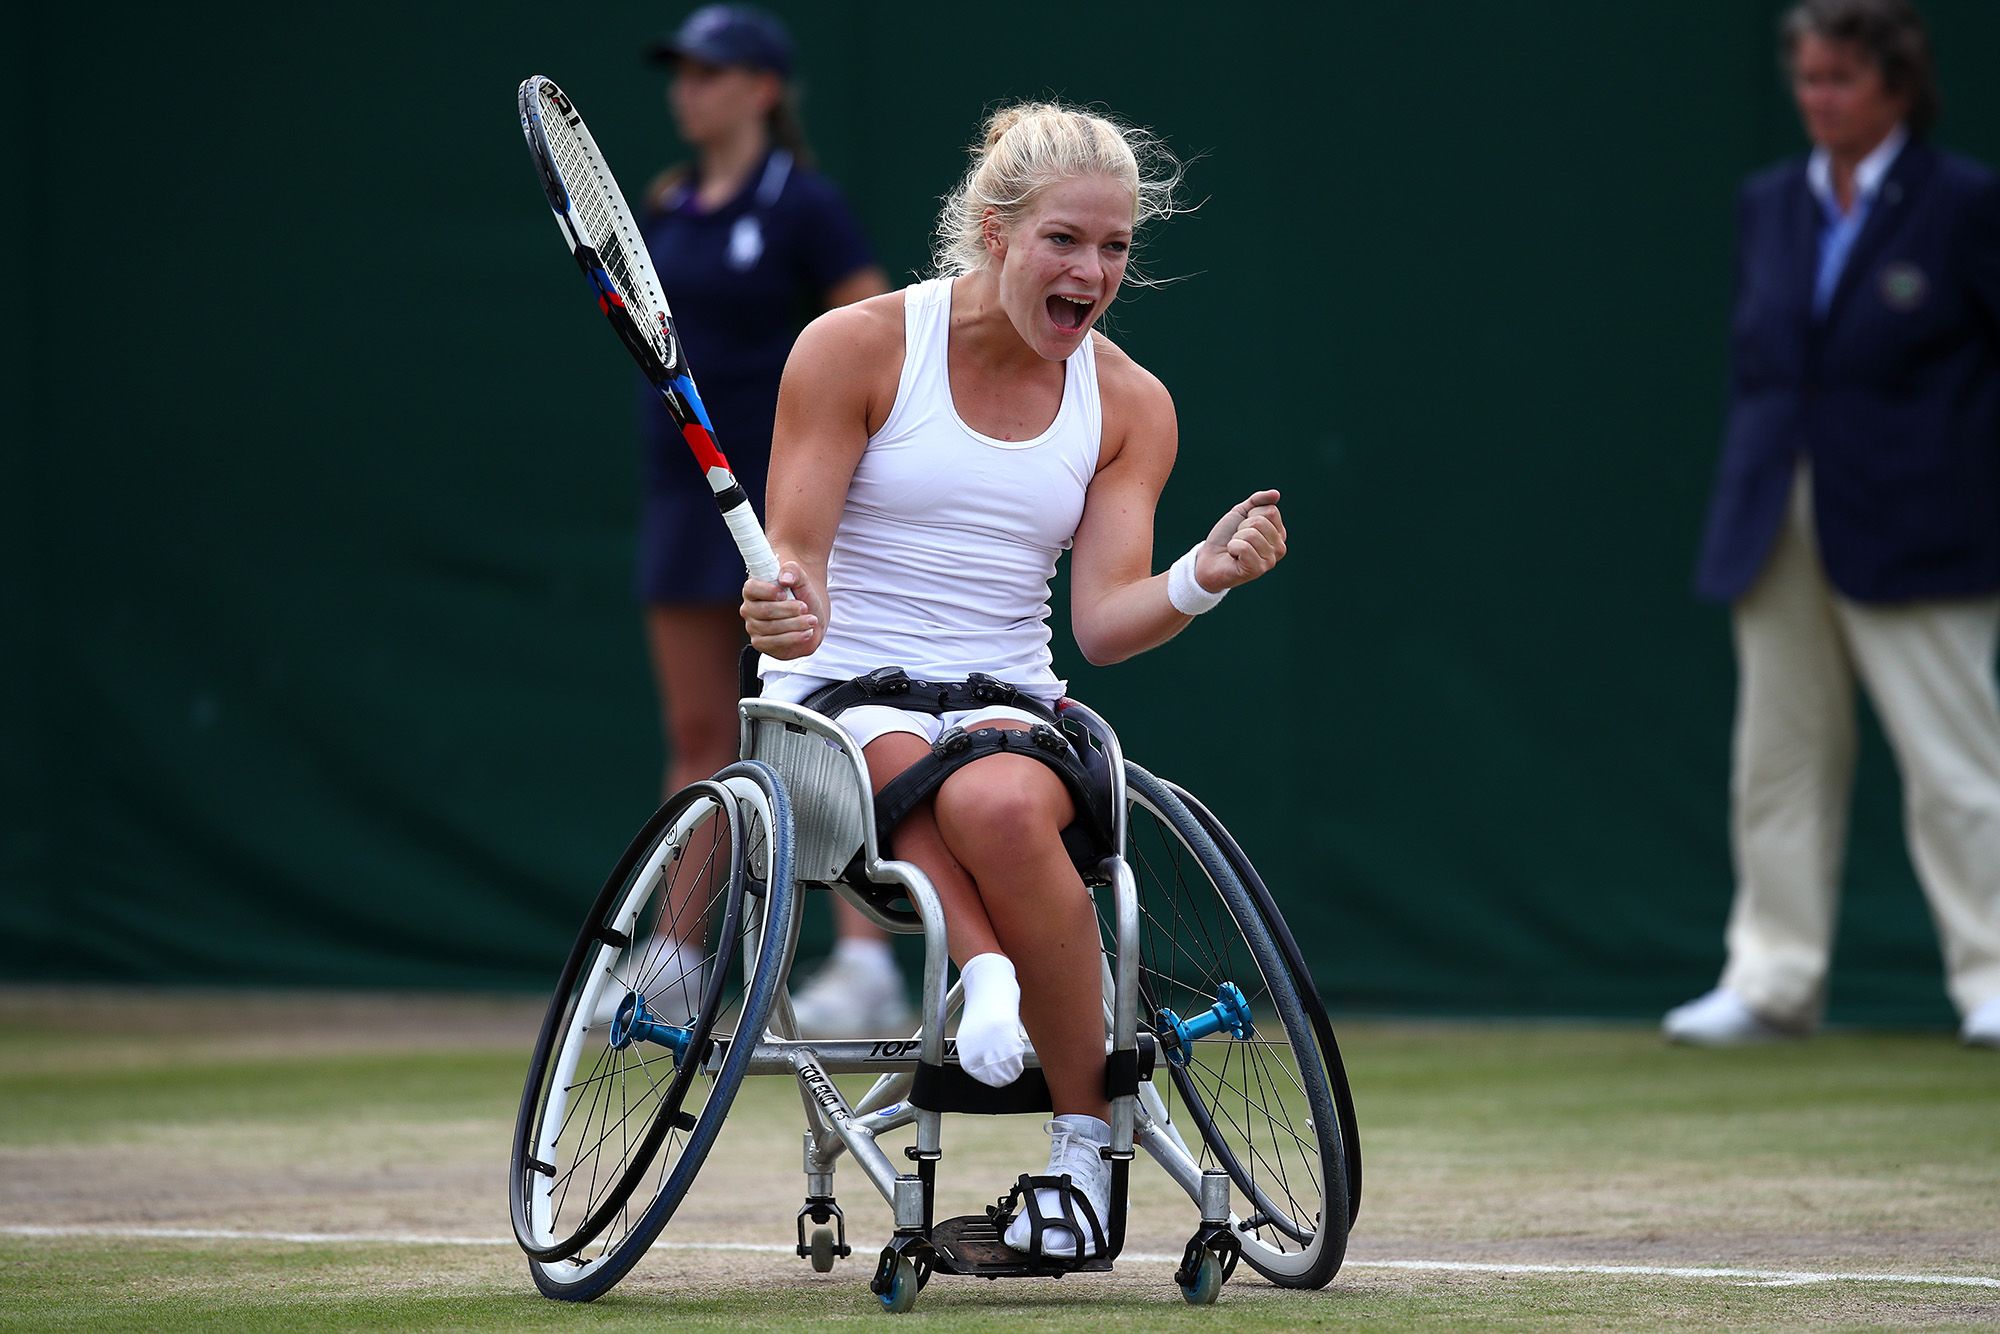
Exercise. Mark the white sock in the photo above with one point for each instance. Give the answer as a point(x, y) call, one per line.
point(866, 953)
point(1087, 1127)
point(990, 1041)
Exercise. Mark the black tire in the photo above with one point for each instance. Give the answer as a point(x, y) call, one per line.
point(611, 1132)
point(1263, 1106)
point(1343, 1095)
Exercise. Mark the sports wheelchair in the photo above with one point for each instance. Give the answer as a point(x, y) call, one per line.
point(1221, 1066)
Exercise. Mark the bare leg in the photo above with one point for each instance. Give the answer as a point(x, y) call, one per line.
point(991, 1043)
point(694, 651)
point(1004, 815)
point(991, 843)
point(849, 923)
point(1002, 820)
point(917, 840)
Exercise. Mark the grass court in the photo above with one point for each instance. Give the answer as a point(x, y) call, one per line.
point(259, 1161)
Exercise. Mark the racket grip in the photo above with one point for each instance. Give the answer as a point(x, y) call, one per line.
point(758, 558)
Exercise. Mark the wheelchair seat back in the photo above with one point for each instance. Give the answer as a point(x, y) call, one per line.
point(833, 813)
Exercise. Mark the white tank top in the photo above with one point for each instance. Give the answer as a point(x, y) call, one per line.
point(942, 560)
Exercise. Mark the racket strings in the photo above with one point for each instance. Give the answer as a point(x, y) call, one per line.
point(607, 224)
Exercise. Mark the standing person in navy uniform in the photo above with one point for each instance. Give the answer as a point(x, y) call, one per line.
point(1855, 525)
point(750, 243)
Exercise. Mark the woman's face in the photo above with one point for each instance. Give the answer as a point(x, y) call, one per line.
point(1846, 107)
point(713, 102)
point(1061, 263)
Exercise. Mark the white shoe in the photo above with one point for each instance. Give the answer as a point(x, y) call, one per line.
point(1072, 1153)
point(1721, 1019)
point(846, 999)
point(1982, 1026)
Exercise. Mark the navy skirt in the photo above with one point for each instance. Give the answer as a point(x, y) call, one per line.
point(685, 555)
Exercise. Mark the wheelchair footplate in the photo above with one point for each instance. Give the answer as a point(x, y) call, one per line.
point(971, 1245)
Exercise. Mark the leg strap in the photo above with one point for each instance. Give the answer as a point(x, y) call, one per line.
point(1084, 839)
point(1086, 775)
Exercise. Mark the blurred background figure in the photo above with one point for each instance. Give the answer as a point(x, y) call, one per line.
point(1855, 522)
point(750, 242)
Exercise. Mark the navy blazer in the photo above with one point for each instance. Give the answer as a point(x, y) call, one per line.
point(1893, 397)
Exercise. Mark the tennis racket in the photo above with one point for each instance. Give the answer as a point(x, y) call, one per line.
point(606, 245)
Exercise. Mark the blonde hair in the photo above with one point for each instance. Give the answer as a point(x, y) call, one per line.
point(1030, 146)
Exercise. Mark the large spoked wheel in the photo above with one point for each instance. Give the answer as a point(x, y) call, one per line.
point(636, 1065)
point(1281, 935)
point(1247, 1072)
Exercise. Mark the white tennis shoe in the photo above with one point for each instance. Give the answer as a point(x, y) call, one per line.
point(1721, 1019)
point(848, 998)
point(1982, 1026)
point(1074, 1142)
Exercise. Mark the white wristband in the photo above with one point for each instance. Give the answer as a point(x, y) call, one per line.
point(1185, 591)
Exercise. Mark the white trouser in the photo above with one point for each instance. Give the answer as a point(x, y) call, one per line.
point(865, 722)
point(1929, 671)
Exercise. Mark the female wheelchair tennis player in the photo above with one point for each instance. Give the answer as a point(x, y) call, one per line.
point(909, 746)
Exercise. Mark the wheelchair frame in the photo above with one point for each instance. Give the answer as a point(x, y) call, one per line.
point(834, 842)
point(806, 784)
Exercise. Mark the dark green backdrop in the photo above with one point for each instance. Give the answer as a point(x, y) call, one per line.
point(319, 476)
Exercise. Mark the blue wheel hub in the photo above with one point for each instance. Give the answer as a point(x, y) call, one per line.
point(1230, 1013)
point(635, 1023)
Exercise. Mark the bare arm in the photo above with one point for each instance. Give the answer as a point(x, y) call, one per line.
point(1118, 606)
point(838, 385)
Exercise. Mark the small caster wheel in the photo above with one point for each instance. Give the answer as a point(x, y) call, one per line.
point(822, 1250)
point(1207, 1285)
point(903, 1287)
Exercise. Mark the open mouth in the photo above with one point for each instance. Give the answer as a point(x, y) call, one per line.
point(1069, 313)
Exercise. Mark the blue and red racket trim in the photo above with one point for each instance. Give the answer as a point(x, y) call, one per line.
point(683, 400)
point(700, 437)
point(613, 307)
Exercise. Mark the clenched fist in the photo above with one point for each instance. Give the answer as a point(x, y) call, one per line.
point(1244, 544)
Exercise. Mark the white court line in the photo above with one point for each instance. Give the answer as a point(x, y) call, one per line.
point(1763, 1277)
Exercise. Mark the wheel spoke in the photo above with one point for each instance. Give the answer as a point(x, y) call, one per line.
point(1250, 1099)
point(618, 1128)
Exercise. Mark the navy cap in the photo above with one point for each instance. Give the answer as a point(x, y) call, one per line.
point(729, 35)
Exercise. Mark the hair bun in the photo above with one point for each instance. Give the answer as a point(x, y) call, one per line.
point(1055, 143)
point(1004, 120)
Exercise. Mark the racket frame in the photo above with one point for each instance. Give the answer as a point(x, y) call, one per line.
point(654, 345)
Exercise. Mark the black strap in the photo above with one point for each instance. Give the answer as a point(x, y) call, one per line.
point(958, 748)
point(899, 690)
point(1121, 1069)
point(948, 1088)
point(1087, 839)
point(1026, 1198)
